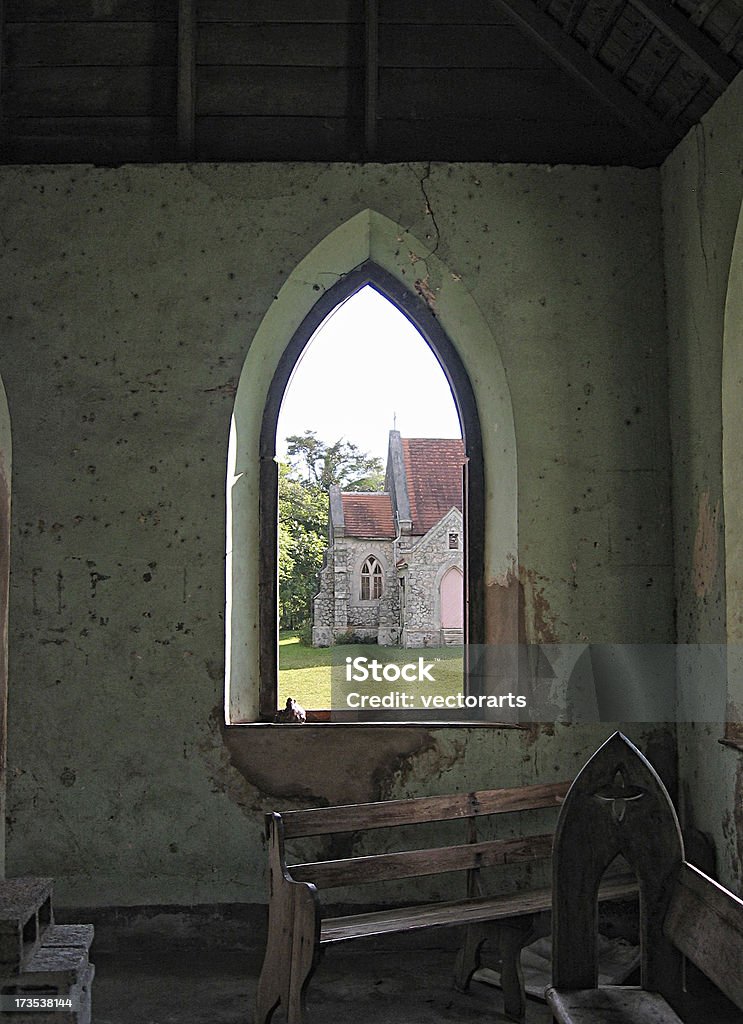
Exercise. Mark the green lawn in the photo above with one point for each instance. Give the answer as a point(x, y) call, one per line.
point(305, 671)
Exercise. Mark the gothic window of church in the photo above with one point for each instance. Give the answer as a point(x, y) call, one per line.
point(371, 579)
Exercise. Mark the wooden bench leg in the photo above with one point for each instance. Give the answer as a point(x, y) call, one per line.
point(273, 983)
point(468, 958)
point(514, 935)
point(305, 953)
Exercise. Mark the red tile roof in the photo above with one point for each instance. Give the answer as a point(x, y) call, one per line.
point(433, 467)
point(368, 515)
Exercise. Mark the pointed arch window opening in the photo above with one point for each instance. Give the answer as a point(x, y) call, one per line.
point(372, 580)
point(472, 541)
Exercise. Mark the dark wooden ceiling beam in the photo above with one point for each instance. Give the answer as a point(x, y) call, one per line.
point(604, 30)
point(706, 54)
point(584, 68)
point(731, 40)
point(641, 38)
point(371, 77)
point(186, 103)
point(658, 73)
point(703, 11)
point(573, 16)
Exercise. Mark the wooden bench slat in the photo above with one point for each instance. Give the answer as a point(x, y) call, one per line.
point(456, 912)
point(350, 817)
point(414, 863)
point(610, 1004)
point(705, 921)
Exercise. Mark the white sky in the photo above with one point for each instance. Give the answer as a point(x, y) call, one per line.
point(364, 364)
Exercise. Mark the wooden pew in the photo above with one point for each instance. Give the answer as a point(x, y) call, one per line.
point(299, 927)
point(619, 806)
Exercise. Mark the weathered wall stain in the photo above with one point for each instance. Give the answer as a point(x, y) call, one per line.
point(316, 765)
point(517, 609)
point(706, 540)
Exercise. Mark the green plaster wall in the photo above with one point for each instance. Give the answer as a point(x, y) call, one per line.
point(130, 297)
point(702, 185)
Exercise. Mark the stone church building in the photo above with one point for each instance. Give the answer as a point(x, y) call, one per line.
point(393, 570)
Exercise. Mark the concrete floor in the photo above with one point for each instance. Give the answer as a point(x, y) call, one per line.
point(172, 968)
point(388, 981)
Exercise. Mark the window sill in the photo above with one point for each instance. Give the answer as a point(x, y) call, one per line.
point(389, 724)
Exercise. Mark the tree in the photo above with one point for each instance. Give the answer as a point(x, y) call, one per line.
point(303, 527)
point(342, 463)
point(303, 514)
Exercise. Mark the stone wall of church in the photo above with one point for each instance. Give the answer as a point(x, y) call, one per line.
point(428, 557)
point(339, 611)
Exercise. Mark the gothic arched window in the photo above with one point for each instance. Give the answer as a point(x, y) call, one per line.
point(371, 579)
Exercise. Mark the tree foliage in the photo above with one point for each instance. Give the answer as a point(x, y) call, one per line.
point(303, 514)
point(341, 463)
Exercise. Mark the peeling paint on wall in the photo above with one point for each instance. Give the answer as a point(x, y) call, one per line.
point(706, 540)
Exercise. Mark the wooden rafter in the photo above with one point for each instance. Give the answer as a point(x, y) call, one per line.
point(371, 80)
point(731, 40)
point(186, 117)
point(706, 54)
point(604, 30)
point(571, 56)
point(643, 34)
point(573, 16)
point(659, 71)
point(703, 11)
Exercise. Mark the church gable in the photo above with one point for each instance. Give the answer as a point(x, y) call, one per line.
point(412, 533)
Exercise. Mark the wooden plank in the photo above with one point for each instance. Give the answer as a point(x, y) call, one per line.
point(285, 12)
point(371, 76)
point(573, 16)
point(618, 1004)
point(91, 10)
point(589, 73)
point(439, 12)
point(92, 45)
point(702, 11)
point(607, 24)
point(351, 817)
point(90, 91)
point(186, 108)
point(458, 46)
point(732, 37)
point(318, 45)
point(385, 867)
point(280, 138)
point(276, 91)
point(471, 911)
point(488, 93)
point(90, 140)
point(665, 56)
point(643, 32)
point(705, 921)
point(720, 69)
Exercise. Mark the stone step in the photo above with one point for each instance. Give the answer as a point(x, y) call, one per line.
point(79, 995)
point(452, 637)
point(25, 915)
